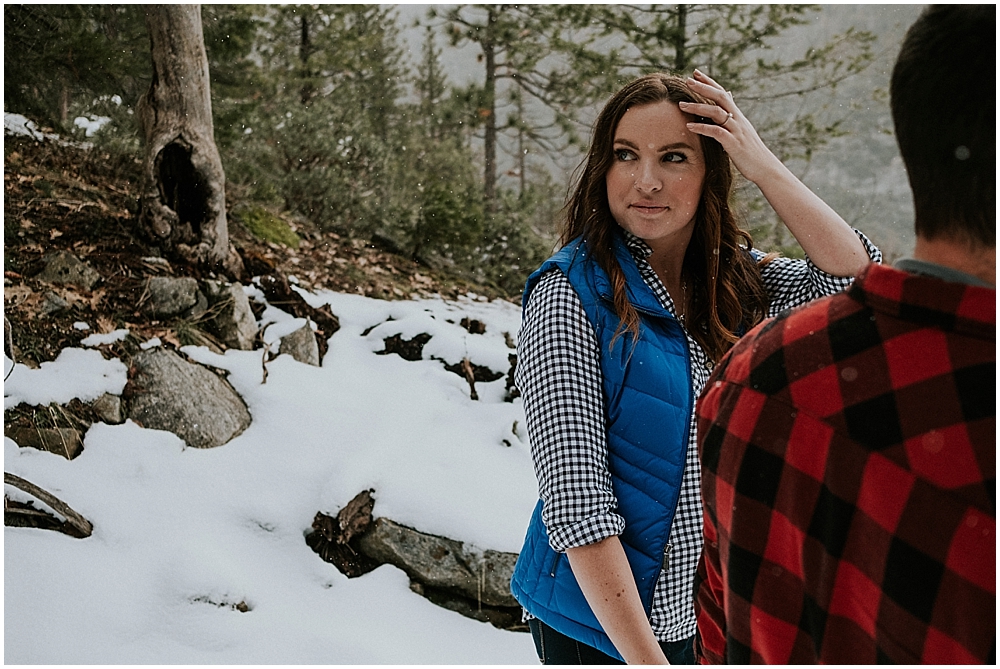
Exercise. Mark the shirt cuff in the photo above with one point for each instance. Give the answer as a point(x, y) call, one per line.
point(829, 283)
point(585, 532)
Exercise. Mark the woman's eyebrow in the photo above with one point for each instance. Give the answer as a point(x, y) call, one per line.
point(665, 147)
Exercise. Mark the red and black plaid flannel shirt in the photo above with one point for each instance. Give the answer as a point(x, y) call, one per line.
point(849, 461)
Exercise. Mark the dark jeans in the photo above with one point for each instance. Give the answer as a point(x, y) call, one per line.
point(555, 648)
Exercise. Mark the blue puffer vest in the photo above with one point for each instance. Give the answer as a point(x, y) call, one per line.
point(648, 400)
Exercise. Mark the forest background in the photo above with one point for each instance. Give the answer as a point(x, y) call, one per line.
point(449, 133)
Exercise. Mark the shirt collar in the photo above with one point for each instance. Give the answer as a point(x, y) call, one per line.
point(947, 305)
point(914, 266)
point(639, 249)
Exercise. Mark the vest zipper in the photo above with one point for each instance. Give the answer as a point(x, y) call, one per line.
point(666, 556)
point(555, 563)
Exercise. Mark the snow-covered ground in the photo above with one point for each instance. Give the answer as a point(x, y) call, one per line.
point(182, 535)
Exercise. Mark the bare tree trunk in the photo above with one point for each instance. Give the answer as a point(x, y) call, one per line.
point(522, 160)
point(305, 50)
point(183, 201)
point(490, 139)
point(680, 41)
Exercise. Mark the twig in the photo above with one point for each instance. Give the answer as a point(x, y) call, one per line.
point(266, 352)
point(470, 376)
point(9, 331)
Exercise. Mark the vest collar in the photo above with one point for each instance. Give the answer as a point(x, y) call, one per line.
point(639, 293)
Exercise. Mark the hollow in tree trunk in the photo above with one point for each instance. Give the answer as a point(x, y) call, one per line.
point(183, 200)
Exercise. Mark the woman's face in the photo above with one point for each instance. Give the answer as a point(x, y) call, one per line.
point(655, 181)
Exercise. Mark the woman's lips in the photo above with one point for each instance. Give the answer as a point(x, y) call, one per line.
point(648, 207)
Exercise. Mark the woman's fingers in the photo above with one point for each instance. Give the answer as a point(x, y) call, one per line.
point(714, 112)
point(711, 89)
point(716, 132)
point(703, 78)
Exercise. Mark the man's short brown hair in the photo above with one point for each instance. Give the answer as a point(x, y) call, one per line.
point(943, 95)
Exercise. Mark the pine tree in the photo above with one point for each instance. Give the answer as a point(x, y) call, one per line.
point(540, 52)
point(737, 45)
point(56, 56)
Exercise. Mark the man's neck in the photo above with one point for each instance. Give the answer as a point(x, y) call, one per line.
point(979, 261)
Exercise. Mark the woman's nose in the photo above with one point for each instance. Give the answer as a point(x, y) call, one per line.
point(646, 180)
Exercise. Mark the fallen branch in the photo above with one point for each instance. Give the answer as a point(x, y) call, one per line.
point(81, 526)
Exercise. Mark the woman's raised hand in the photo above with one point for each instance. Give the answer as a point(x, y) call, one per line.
point(820, 231)
point(731, 129)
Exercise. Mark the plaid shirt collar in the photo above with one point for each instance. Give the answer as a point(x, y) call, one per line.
point(919, 298)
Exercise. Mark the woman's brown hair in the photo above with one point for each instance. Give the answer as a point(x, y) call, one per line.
point(728, 295)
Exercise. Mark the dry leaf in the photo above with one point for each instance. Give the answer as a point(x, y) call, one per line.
point(171, 338)
point(96, 297)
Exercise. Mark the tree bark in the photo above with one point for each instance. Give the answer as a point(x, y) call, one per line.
point(183, 200)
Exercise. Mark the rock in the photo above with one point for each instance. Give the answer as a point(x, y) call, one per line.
point(64, 441)
point(503, 617)
point(169, 393)
point(301, 345)
point(65, 268)
point(108, 408)
point(442, 563)
point(279, 293)
point(53, 304)
point(234, 323)
point(174, 296)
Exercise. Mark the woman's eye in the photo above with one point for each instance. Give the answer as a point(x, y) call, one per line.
point(623, 155)
point(673, 157)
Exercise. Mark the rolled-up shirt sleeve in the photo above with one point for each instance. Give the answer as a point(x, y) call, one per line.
point(558, 373)
point(791, 282)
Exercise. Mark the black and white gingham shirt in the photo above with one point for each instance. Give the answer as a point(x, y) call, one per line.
point(559, 375)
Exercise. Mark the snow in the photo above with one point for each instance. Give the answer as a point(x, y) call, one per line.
point(75, 373)
point(91, 124)
point(16, 124)
point(107, 338)
point(182, 536)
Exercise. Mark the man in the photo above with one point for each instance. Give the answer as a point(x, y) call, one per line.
point(849, 447)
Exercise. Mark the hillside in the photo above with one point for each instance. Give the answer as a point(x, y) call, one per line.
point(208, 555)
point(60, 197)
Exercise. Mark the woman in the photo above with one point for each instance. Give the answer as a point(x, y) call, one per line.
point(621, 330)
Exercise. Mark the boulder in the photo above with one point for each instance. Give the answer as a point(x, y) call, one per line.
point(441, 563)
point(174, 296)
point(234, 323)
point(66, 269)
point(169, 393)
point(64, 441)
point(301, 345)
